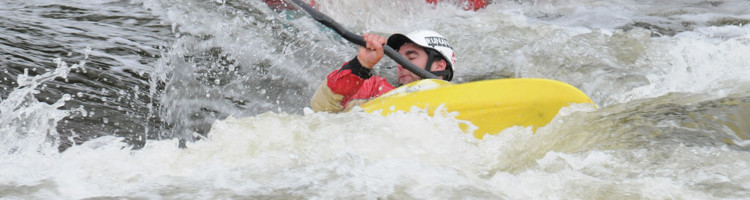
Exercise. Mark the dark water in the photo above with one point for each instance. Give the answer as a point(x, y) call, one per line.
point(136, 55)
point(113, 87)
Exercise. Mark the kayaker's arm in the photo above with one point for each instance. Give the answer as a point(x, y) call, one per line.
point(347, 87)
point(325, 100)
point(339, 87)
point(354, 81)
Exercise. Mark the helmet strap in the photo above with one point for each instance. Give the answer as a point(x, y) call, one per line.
point(431, 55)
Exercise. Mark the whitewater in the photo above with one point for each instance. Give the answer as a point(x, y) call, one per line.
point(199, 99)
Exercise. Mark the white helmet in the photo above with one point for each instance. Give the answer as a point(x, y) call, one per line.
point(429, 40)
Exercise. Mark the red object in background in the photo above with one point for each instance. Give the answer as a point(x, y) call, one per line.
point(470, 4)
point(283, 5)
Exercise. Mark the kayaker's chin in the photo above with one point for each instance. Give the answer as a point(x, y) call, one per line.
point(406, 79)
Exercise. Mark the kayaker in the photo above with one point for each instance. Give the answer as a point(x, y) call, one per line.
point(354, 84)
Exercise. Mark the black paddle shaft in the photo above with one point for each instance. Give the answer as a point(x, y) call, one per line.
point(359, 40)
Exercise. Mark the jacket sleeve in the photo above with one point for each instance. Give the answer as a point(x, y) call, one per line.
point(339, 87)
point(325, 100)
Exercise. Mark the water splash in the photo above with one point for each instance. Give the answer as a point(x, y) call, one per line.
point(30, 126)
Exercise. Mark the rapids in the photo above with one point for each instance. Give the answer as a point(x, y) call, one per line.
point(207, 99)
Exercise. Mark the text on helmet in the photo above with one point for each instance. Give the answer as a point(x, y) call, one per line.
point(437, 41)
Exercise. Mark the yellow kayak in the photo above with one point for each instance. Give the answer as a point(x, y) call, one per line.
point(491, 105)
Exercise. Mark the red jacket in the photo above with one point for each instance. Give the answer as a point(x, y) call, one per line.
point(352, 82)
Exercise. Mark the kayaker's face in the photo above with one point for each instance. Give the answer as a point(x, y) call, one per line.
point(418, 56)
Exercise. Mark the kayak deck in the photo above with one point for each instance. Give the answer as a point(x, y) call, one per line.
point(491, 105)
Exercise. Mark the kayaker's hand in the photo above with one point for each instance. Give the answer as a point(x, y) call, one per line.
point(373, 51)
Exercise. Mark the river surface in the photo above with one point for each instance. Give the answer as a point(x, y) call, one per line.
point(199, 99)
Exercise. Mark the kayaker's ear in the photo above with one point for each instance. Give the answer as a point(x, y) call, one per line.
point(439, 65)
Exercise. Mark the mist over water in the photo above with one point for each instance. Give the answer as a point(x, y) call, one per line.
point(98, 95)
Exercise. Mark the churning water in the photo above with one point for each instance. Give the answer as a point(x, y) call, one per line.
point(98, 95)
